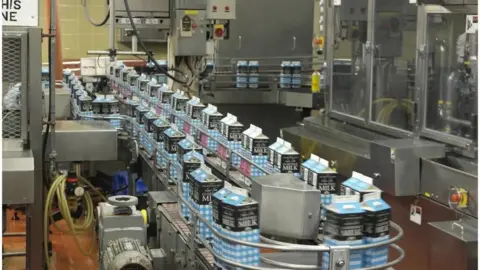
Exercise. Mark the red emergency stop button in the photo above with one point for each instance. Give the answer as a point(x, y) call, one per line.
point(219, 32)
point(227, 8)
point(455, 198)
point(214, 8)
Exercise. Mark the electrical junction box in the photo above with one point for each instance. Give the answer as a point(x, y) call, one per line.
point(94, 66)
point(189, 33)
point(221, 9)
point(145, 14)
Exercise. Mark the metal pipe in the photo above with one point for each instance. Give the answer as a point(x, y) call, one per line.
point(111, 29)
point(14, 254)
point(53, 67)
point(95, 52)
point(14, 234)
point(457, 121)
point(134, 43)
point(441, 65)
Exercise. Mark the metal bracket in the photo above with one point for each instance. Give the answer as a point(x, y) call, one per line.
point(422, 50)
point(369, 47)
point(339, 258)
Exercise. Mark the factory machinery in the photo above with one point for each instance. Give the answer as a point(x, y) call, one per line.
point(223, 195)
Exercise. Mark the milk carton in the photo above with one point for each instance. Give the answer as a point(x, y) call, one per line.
point(203, 185)
point(358, 184)
point(344, 227)
point(376, 228)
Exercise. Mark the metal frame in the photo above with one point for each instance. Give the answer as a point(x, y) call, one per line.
point(366, 121)
point(420, 96)
point(32, 122)
point(421, 81)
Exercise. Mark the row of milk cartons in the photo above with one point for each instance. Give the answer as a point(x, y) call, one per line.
point(352, 213)
point(247, 74)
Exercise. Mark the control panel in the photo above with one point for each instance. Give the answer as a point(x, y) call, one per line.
point(221, 9)
point(190, 33)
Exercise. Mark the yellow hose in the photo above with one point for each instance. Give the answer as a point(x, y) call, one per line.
point(58, 190)
point(376, 102)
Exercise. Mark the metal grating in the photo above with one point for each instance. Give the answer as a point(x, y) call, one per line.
point(12, 74)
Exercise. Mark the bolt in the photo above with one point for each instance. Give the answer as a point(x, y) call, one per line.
point(341, 263)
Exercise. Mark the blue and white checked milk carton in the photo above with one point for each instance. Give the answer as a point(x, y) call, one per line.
point(131, 106)
point(97, 104)
point(376, 228)
point(193, 109)
point(257, 151)
point(344, 227)
point(152, 89)
point(85, 104)
point(190, 161)
point(358, 184)
point(142, 83)
point(162, 78)
point(296, 74)
point(246, 135)
point(307, 166)
point(242, 71)
point(159, 127)
point(186, 145)
point(178, 104)
point(211, 118)
point(202, 187)
point(327, 181)
point(231, 130)
point(170, 148)
point(139, 113)
point(253, 74)
point(240, 221)
point(164, 97)
point(217, 210)
point(311, 168)
point(273, 151)
point(288, 160)
point(132, 78)
point(148, 120)
point(286, 74)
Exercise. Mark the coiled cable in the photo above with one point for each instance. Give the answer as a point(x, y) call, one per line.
point(57, 191)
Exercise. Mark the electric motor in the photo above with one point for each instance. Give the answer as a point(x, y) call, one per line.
point(126, 254)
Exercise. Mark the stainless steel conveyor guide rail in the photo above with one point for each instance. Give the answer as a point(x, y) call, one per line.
point(338, 255)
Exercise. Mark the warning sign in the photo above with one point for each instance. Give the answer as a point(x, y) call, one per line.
point(20, 12)
point(471, 24)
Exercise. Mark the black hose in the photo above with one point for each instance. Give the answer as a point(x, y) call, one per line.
point(148, 52)
point(105, 20)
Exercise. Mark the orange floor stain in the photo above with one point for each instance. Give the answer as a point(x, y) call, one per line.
point(66, 254)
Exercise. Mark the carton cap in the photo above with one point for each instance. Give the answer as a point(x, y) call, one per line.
point(372, 196)
point(362, 178)
point(239, 191)
point(205, 168)
point(323, 162)
point(345, 198)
